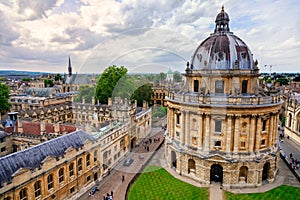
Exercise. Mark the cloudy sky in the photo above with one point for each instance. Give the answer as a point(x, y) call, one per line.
point(142, 35)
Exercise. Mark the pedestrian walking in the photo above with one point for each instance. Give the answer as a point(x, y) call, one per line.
point(291, 155)
point(123, 178)
point(111, 193)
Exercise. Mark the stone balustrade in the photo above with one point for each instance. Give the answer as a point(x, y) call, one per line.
point(224, 99)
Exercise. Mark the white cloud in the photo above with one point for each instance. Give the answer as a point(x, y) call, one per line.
point(46, 32)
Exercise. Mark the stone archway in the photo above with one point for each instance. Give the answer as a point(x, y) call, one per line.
point(173, 159)
point(133, 142)
point(243, 174)
point(266, 171)
point(191, 166)
point(216, 173)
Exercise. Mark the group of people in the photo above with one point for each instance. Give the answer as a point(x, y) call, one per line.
point(108, 196)
point(149, 142)
point(295, 164)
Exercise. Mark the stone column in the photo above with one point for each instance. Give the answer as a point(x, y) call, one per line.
point(228, 134)
point(207, 132)
point(236, 133)
point(258, 133)
point(187, 128)
point(275, 133)
point(271, 130)
point(170, 122)
point(200, 132)
point(252, 132)
point(182, 127)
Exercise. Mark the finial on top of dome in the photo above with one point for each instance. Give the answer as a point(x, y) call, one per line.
point(222, 7)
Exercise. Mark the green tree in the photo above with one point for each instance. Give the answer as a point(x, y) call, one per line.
point(283, 81)
point(107, 82)
point(143, 93)
point(4, 96)
point(26, 79)
point(177, 77)
point(85, 92)
point(48, 83)
point(57, 77)
point(161, 77)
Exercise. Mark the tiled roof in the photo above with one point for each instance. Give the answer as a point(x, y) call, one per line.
point(66, 128)
point(49, 128)
point(31, 127)
point(32, 157)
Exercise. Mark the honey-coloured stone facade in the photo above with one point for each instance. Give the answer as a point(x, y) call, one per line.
point(221, 128)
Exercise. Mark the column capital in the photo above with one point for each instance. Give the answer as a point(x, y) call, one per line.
point(230, 115)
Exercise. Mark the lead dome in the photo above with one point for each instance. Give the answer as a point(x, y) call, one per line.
point(222, 50)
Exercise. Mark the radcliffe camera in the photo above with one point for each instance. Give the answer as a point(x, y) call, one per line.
point(143, 100)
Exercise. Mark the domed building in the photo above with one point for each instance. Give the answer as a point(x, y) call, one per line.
point(221, 128)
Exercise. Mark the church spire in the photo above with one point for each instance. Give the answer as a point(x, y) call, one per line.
point(70, 67)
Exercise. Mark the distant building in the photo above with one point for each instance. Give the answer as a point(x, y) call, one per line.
point(220, 127)
point(292, 113)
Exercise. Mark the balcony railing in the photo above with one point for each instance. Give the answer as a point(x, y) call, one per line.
point(224, 99)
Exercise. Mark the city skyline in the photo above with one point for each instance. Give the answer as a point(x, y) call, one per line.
point(148, 36)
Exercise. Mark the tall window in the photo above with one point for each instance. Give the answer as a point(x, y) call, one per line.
point(264, 124)
point(290, 119)
point(95, 156)
point(218, 126)
point(88, 160)
point(61, 177)
point(23, 194)
point(219, 87)
point(50, 181)
point(244, 86)
point(37, 189)
point(71, 169)
point(177, 118)
point(196, 86)
point(79, 164)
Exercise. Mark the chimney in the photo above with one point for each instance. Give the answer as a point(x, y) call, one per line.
point(109, 102)
point(145, 105)
point(43, 127)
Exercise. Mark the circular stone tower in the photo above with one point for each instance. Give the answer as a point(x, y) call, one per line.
point(221, 128)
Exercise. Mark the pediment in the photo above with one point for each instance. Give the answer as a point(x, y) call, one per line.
point(217, 158)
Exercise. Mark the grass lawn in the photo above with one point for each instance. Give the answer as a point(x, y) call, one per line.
point(282, 192)
point(157, 183)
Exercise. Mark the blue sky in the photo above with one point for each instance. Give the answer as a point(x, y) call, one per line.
point(142, 35)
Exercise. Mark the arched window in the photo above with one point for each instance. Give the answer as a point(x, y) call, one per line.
point(290, 119)
point(95, 155)
point(244, 86)
point(50, 181)
point(191, 166)
point(71, 169)
point(61, 177)
point(243, 174)
point(219, 87)
point(79, 164)
point(37, 189)
point(88, 160)
point(196, 86)
point(23, 194)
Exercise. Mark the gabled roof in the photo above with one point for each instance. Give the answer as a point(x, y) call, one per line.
point(77, 79)
point(32, 157)
point(39, 92)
